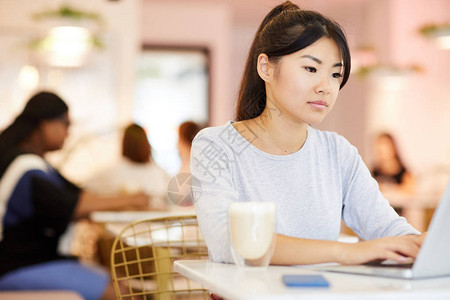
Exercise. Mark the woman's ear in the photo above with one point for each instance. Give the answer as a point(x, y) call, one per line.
point(263, 67)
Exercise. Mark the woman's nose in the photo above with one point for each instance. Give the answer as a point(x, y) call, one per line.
point(323, 86)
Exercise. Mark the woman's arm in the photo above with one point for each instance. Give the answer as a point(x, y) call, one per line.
point(364, 209)
point(296, 251)
point(89, 202)
point(408, 184)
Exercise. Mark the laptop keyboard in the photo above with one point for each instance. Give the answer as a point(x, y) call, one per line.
point(389, 265)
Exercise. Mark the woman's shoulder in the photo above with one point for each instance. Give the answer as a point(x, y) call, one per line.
point(21, 166)
point(215, 131)
point(332, 142)
point(28, 162)
point(327, 136)
point(160, 171)
point(216, 142)
point(224, 136)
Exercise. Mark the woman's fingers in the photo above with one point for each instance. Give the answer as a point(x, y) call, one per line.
point(404, 247)
point(401, 249)
point(399, 258)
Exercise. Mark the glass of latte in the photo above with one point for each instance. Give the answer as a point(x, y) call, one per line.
point(252, 233)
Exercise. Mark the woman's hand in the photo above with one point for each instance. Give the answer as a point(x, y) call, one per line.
point(402, 249)
point(139, 200)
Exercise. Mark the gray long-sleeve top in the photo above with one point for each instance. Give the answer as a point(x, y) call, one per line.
point(313, 188)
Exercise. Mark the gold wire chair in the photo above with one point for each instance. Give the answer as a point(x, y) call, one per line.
point(142, 259)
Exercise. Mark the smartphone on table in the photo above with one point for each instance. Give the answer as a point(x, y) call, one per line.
point(305, 280)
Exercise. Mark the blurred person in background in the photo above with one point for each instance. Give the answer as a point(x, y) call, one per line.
point(135, 172)
point(389, 170)
point(37, 203)
point(180, 187)
point(186, 133)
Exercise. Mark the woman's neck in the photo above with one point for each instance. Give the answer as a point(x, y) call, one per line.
point(184, 151)
point(32, 145)
point(273, 134)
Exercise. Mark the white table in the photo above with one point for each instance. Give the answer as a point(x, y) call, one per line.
point(232, 282)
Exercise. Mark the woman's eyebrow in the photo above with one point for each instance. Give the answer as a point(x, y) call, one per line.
point(313, 58)
point(317, 60)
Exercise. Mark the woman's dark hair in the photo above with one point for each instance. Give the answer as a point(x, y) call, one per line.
point(42, 106)
point(391, 139)
point(188, 130)
point(286, 29)
point(135, 144)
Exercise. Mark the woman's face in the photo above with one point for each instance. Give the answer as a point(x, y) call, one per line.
point(54, 132)
point(384, 149)
point(304, 85)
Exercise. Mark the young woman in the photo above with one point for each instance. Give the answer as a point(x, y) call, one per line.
point(37, 203)
point(135, 171)
point(298, 62)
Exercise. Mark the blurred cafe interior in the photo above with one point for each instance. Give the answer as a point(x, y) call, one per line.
point(159, 63)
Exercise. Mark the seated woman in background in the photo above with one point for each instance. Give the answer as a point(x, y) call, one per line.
point(37, 203)
point(389, 168)
point(135, 172)
point(181, 186)
point(186, 133)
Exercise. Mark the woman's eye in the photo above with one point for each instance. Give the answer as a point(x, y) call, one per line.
point(337, 75)
point(311, 69)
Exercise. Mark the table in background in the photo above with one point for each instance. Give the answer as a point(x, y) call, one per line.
point(112, 223)
point(232, 282)
point(132, 216)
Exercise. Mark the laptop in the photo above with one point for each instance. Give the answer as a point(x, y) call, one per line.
point(433, 259)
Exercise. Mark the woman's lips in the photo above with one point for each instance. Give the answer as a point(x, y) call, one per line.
point(318, 104)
